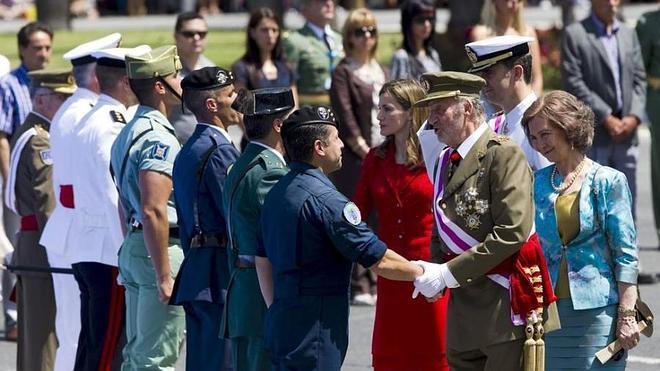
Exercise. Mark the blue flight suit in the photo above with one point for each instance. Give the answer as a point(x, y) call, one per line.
point(312, 235)
point(198, 176)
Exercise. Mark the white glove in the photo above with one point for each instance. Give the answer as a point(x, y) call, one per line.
point(431, 282)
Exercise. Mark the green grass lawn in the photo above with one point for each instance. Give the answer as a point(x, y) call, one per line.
point(224, 47)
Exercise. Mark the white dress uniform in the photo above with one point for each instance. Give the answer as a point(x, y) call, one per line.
point(511, 125)
point(57, 235)
point(98, 235)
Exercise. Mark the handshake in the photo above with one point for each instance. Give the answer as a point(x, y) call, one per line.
point(431, 283)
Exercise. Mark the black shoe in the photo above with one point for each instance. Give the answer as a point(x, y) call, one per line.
point(647, 278)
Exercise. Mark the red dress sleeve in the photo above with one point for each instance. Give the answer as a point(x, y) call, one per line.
point(362, 196)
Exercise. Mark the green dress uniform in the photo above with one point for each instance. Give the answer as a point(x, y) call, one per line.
point(154, 331)
point(246, 187)
point(648, 33)
point(29, 193)
point(314, 56)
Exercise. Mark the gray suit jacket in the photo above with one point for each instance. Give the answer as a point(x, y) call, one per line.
point(586, 73)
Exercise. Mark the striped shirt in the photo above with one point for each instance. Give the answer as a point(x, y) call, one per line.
point(16, 102)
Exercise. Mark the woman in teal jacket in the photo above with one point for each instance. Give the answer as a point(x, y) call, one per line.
point(585, 224)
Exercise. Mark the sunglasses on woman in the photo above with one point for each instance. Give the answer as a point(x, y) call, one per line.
point(422, 19)
point(191, 34)
point(362, 31)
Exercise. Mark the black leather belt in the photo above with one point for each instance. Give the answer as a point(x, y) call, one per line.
point(208, 240)
point(137, 226)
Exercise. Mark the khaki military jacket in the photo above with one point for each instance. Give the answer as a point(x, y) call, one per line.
point(494, 184)
point(32, 188)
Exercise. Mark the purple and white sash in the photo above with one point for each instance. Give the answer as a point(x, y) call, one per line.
point(451, 234)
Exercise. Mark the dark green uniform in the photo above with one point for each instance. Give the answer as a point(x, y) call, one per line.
point(247, 184)
point(648, 33)
point(314, 61)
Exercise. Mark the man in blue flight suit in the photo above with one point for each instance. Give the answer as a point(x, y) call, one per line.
point(198, 176)
point(260, 166)
point(312, 234)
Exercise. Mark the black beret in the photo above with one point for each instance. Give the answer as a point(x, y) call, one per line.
point(309, 115)
point(207, 78)
point(266, 101)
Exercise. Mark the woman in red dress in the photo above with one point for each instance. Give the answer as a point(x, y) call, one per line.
point(408, 334)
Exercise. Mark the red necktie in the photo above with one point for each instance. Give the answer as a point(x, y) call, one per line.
point(455, 158)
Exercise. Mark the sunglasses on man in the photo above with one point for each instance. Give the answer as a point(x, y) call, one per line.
point(191, 34)
point(362, 31)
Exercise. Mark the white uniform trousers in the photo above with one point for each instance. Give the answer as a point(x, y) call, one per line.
point(67, 315)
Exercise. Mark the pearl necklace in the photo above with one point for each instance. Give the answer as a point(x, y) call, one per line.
point(567, 183)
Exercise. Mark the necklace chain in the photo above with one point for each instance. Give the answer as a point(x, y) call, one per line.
point(567, 183)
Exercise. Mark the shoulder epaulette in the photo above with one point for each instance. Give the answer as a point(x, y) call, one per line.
point(116, 116)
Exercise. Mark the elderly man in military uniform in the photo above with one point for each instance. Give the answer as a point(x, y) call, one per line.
point(306, 327)
point(99, 233)
point(260, 166)
point(485, 241)
point(141, 159)
point(506, 64)
point(30, 194)
point(314, 51)
point(57, 236)
point(198, 176)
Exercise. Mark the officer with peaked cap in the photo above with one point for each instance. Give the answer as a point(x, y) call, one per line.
point(493, 59)
point(99, 234)
point(306, 326)
point(484, 216)
point(260, 166)
point(198, 176)
point(57, 236)
point(30, 195)
point(141, 160)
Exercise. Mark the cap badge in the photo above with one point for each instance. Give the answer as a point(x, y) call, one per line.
point(425, 85)
point(471, 55)
point(222, 77)
point(323, 113)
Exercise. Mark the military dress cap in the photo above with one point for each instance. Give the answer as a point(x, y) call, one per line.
point(158, 62)
point(265, 101)
point(58, 80)
point(207, 78)
point(309, 115)
point(487, 52)
point(449, 84)
point(116, 57)
point(82, 54)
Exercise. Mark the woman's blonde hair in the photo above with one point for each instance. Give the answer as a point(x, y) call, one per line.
point(358, 18)
point(489, 17)
point(406, 93)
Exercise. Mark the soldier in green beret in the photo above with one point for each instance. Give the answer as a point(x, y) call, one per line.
point(30, 195)
point(648, 33)
point(314, 51)
point(142, 158)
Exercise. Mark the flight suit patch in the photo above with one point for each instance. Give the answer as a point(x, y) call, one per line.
point(46, 157)
point(160, 151)
point(352, 213)
point(117, 117)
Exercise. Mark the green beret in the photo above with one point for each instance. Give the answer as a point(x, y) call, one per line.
point(158, 62)
point(57, 80)
point(448, 84)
